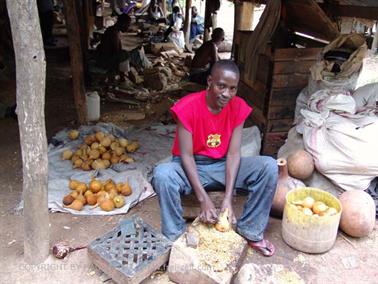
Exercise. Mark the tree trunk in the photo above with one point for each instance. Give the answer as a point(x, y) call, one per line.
point(76, 58)
point(30, 76)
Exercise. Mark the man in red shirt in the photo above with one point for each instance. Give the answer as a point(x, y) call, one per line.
point(206, 154)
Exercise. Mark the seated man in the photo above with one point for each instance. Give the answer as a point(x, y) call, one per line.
point(205, 57)
point(197, 24)
point(174, 33)
point(206, 154)
point(155, 12)
point(109, 52)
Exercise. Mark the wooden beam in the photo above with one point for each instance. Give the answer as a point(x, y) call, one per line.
point(351, 11)
point(188, 5)
point(76, 58)
point(306, 16)
point(30, 78)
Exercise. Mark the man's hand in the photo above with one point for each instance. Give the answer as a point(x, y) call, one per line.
point(208, 212)
point(227, 203)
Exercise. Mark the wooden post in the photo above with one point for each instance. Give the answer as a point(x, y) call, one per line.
point(374, 45)
point(30, 78)
point(76, 58)
point(188, 5)
point(82, 9)
point(245, 19)
point(208, 21)
point(164, 7)
point(236, 27)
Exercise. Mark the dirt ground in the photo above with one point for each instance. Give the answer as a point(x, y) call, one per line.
point(350, 261)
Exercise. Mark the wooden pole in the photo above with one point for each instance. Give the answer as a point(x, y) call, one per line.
point(164, 7)
point(188, 5)
point(236, 27)
point(82, 9)
point(30, 80)
point(76, 58)
point(374, 45)
point(208, 21)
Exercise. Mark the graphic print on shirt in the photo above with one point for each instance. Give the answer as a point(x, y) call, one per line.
point(213, 140)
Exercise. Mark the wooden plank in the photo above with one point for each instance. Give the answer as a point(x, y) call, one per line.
point(278, 112)
point(289, 67)
point(283, 97)
point(307, 17)
point(279, 125)
point(272, 143)
point(295, 80)
point(351, 11)
point(264, 68)
point(257, 115)
point(296, 54)
point(259, 119)
point(309, 42)
point(254, 93)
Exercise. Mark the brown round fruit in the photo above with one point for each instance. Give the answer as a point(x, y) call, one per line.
point(300, 165)
point(358, 215)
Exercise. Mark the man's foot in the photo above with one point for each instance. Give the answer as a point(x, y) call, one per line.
point(263, 247)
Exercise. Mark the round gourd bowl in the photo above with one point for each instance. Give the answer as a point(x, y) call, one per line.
point(311, 234)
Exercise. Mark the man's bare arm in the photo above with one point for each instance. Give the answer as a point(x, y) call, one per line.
point(232, 168)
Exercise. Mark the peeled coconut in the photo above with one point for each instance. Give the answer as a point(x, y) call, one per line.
point(73, 134)
point(223, 225)
point(300, 164)
point(67, 155)
point(358, 215)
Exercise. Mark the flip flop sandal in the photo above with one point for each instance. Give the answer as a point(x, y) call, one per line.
point(264, 247)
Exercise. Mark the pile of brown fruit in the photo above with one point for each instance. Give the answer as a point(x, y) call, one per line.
point(107, 195)
point(310, 207)
point(100, 151)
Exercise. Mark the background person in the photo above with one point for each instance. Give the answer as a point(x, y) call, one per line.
point(205, 58)
point(109, 52)
point(197, 25)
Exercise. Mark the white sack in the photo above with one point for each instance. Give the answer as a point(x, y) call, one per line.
point(344, 146)
point(321, 78)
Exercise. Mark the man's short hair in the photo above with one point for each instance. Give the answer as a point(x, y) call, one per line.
point(176, 9)
point(218, 34)
point(224, 64)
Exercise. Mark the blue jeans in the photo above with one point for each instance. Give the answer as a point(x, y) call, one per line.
point(258, 175)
